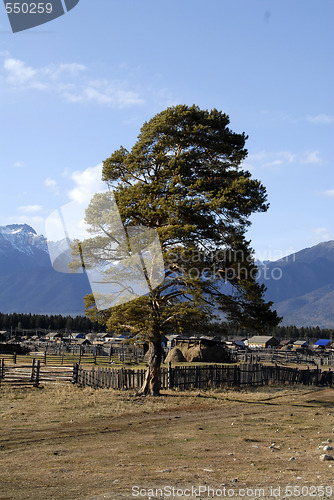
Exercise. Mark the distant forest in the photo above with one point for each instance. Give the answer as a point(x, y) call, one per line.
point(84, 325)
point(57, 322)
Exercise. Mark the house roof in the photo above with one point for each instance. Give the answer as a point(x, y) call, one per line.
point(54, 334)
point(260, 339)
point(82, 341)
point(239, 343)
point(300, 342)
point(322, 342)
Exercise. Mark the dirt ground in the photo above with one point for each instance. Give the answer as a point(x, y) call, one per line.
point(63, 442)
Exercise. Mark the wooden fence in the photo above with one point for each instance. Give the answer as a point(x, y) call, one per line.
point(20, 375)
point(68, 358)
point(178, 377)
point(320, 358)
point(33, 373)
point(202, 377)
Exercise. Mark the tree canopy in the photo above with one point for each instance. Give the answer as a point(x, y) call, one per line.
point(184, 180)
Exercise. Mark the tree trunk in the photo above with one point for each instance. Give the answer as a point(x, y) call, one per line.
point(151, 383)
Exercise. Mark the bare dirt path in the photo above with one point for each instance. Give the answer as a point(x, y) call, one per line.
point(71, 443)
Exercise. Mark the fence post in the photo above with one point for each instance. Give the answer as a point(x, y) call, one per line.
point(38, 366)
point(197, 378)
point(80, 353)
point(75, 373)
point(236, 376)
point(32, 370)
point(2, 368)
point(99, 381)
point(170, 376)
point(14, 358)
point(110, 354)
point(45, 352)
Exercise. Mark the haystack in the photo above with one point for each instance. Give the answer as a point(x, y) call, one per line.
point(205, 353)
point(175, 356)
point(198, 353)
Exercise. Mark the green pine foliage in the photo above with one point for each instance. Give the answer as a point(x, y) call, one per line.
point(184, 178)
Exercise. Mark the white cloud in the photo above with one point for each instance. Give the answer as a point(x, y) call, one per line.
point(329, 193)
point(35, 222)
point(320, 234)
point(282, 158)
point(18, 164)
point(272, 159)
point(274, 163)
point(69, 82)
point(103, 93)
point(311, 157)
point(18, 73)
point(57, 70)
point(322, 119)
point(258, 156)
point(87, 183)
point(52, 185)
point(29, 209)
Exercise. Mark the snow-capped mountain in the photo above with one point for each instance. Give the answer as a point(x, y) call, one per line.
point(28, 283)
point(22, 238)
point(300, 285)
point(21, 249)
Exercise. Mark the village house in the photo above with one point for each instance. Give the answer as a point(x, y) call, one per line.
point(54, 336)
point(300, 344)
point(284, 343)
point(80, 342)
point(237, 342)
point(262, 342)
point(322, 344)
point(3, 336)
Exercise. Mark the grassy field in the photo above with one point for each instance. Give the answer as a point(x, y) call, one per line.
point(63, 442)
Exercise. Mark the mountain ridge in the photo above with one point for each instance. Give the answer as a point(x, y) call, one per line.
point(28, 283)
point(303, 294)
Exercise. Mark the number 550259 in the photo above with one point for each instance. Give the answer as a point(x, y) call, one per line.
point(28, 8)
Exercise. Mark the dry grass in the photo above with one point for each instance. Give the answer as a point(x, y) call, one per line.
point(64, 442)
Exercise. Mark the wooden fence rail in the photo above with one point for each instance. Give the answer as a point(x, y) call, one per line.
point(287, 357)
point(67, 359)
point(178, 377)
point(202, 377)
point(21, 375)
point(33, 374)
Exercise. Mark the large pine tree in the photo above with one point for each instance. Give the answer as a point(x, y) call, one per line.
point(183, 179)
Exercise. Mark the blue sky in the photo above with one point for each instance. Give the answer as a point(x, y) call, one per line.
point(73, 90)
